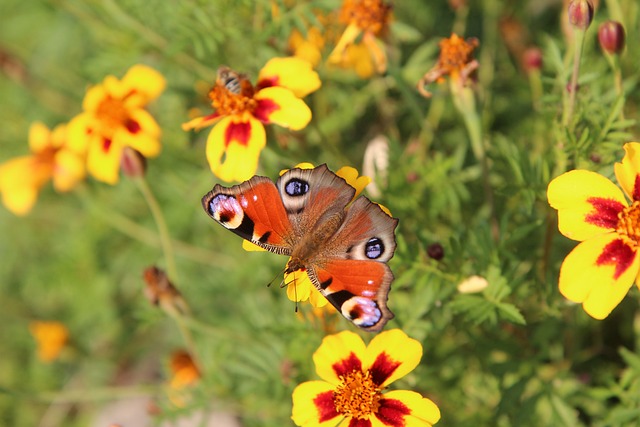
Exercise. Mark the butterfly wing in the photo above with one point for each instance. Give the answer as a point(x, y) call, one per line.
point(254, 211)
point(352, 273)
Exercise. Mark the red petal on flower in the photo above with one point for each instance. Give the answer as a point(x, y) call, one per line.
point(392, 412)
point(106, 144)
point(268, 82)
point(382, 368)
point(348, 365)
point(636, 188)
point(606, 212)
point(132, 126)
point(264, 109)
point(238, 132)
point(325, 405)
point(617, 253)
point(355, 422)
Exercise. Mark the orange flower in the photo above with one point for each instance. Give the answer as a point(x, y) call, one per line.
point(22, 178)
point(369, 19)
point(456, 61)
point(185, 373)
point(50, 337)
point(114, 117)
point(242, 109)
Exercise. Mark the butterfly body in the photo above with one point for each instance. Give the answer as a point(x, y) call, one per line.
point(309, 215)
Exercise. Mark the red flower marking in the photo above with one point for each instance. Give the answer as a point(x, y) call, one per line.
point(264, 109)
point(605, 212)
point(132, 126)
point(268, 82)
point(355, 422)
point(392, 412)
point(106, 144)
point(636, 188)
point(325, 405)
point(617, 253)
point(237, 132)
point(383, 367)
point(348, 365)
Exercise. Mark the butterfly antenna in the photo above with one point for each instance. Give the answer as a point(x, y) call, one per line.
point(275, 277)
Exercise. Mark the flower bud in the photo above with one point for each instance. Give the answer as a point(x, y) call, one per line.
point(611, 37)
point(580, 13)
point(132, 163)
point(435, 251)
point(532, 59)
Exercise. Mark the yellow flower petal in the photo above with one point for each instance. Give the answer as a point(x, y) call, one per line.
point(587, 203)
point(598, 273)
point(103, 160)
point(392, 355)
point(348, 36)
point(251, 247)
point(147, 83)
point(94, 97)
point(280, 106)
point(376, 50)
point(628, 171)
point(303, 165)
point(50, 338)
point(292, 73)
point(350, 175)
point(39, 137)
point(313, 405)
point(423, 412)
point(339, 353)
point(78, 132)
point(239, 140)
point(69, 170)
point(298, 286)
point(316, 298)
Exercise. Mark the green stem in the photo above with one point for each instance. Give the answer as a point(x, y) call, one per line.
point(163, 230)
point(573, 88)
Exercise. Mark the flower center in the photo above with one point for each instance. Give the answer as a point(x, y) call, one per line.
point(455, 54)
point(629, 224)
point(227, 103)
point(368, 15)
point(112, 115)
point(358, 396)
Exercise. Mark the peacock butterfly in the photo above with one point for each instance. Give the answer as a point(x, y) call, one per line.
point(309, 215)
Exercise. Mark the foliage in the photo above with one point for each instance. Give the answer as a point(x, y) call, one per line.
point(514, 354)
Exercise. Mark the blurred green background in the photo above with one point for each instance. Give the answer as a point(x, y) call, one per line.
point(516, 355)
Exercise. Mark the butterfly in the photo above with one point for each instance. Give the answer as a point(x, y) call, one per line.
point(309, 215)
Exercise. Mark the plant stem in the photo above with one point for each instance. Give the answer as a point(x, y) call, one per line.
point(573, 87)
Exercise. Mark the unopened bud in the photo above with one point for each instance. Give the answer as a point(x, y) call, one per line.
point(435, 251)
point(611, 37)
point(580, 13)
point(132, 163)
point(532, 59)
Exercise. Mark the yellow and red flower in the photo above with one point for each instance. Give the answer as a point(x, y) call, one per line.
point(51, 337)
point(354, 377)
point(368, 19)
point(242, 109)
point(22, 178)
point(114, 117)
point(591, 209)
point(456, 61)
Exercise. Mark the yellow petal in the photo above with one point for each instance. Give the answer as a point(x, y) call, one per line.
point(587, 203)
point(292, 73)
point(280, 106)
point(146, 82)
point(313, 405)
point(392, 355)
point(251, 247)
point(339, 353)
point(375, 47)
point(598, 273)
point(103, 163)
point(239, 140)
point(298, 286)
point(142, 142)
point(78, 132)
point(422, 411)
point(628, 171)
point(316, 298)
point(94, 97)
point(68, 171)
point(303, 165)
point(350, 34)
point(39, 137)
point(350, 175)
point(19, 192)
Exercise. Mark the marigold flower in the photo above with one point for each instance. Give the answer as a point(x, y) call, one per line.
point(185, 373)
point(50, 337)
point(241, 110)
point(114, 117)
point(456, 61)
point(591, 209)
point(353, 379)
point(369, 19)
point(22, 178)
